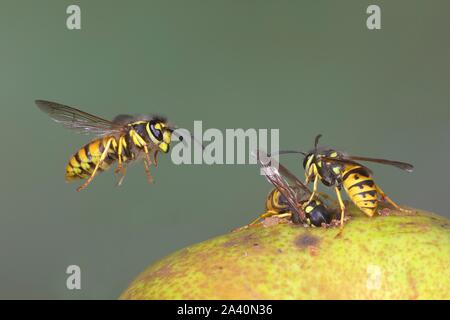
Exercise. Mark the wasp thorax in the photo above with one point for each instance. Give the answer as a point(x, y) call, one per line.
point(140, 129)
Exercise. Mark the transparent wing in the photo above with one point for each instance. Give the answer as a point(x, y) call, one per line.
point(350, 160)
point(78, 120)
point(274, 176)
point(294, 182)
point(398, 164)
point(123, 119)
point(127, 118)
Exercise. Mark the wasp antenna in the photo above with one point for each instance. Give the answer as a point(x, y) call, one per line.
point(181, 138)
point(280, 152)
point(198, 142)
point(261, 155)
point(316, 142)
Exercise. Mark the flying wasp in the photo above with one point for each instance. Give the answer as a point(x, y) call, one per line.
point(124, 139)
point(290, 197)
point(336, 169)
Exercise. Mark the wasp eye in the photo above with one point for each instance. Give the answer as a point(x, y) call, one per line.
point(156, 132)
point(306, 160)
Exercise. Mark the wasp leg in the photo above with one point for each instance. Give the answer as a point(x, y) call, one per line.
point(384, 197)
point(306, 181)
point(100, 161)
point(316, 180)
point(119, 153)
point(284, 215)
point(120, 168)
point(147, 164)
point(123, 171)
point(147, 155)
point(155, 158)
point(341, 205)
point(269, 214)
point(147, 172)
point(266, 214)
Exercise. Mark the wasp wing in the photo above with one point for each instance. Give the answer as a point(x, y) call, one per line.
point(350, 160)
point(128, 118)
point(294, 181)
point(285, 190)
point(123, 119)
point(343, 161)
point(273, 175)
point(78, 120)
point(398, 164)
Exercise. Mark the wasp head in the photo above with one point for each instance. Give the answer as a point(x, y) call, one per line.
point(160, 134)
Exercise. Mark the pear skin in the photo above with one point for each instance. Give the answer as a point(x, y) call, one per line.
point(390, 256)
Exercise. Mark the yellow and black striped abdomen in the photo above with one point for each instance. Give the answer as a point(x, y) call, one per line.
point(83, 162)
point(361, 188)
point(275, 202)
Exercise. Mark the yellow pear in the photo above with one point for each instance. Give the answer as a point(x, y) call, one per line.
point(394, 256)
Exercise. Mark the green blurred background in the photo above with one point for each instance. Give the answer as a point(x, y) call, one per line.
point(305, 67)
